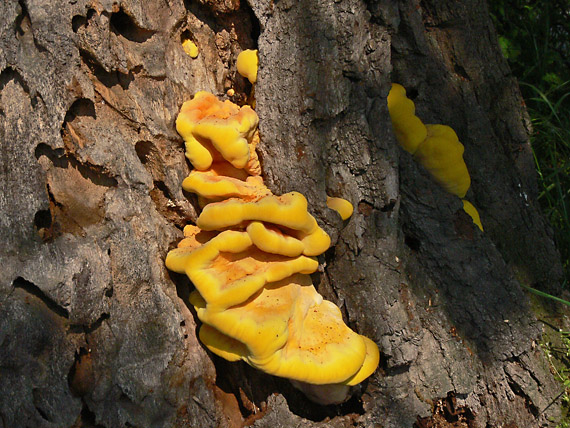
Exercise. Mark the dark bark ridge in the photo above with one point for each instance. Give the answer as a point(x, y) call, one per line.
point(93, 329)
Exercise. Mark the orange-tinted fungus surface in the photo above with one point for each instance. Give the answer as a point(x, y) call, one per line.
point(249, 257)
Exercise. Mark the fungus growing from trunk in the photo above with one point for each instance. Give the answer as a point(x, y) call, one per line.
point(441, 154)
point(247, 63)
point(435, 147)
point(341, 206)
point(472, 211)
point(216, 130)
point(190, 48)
point(249, 257)
point(409, 129)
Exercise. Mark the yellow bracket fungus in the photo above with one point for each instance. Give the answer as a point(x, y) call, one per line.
point(436, 147)
point(212, 185)
point(210, 126)
point(409, 129)
point(341, 206)
point(228, 269)
point(441, 154)
point(249, 257)
point(272, 240)
point(288, 211)
point(247, 63)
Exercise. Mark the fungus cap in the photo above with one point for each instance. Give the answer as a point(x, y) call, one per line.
point(341, 206)
point(320, 349)
point(272, 240)
point(369, 365)
point(261, 323)
point(190, 48)
point(211, 185)
point(409, 129)
point(221, 344)
point(209, 125)
point(288, 211)
point(247, 62)
point(442, 155)
point(228, 269)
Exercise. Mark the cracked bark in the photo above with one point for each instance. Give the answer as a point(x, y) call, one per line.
point(95, 331)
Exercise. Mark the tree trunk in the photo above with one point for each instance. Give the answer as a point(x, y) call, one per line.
point(94, 330)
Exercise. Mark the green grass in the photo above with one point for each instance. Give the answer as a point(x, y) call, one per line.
point(535, 38)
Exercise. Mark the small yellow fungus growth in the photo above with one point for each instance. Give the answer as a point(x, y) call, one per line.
point(442, 155)
point(341, 206)
point(247, 63)
point(472, 211)
point(249, 257)
point(190, 48)
point(230, 92)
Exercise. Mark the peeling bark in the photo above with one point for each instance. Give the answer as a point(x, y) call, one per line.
point(95, 332)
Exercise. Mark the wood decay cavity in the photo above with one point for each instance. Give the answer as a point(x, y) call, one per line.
point(250, 255)
point(435, 147)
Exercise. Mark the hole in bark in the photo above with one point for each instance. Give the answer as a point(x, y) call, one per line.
point(42, 219)
point(446, 413)
point(107, 78)
point(162, 187)
point(94, 173)
point(80, 107)
point(461, 71)
point(255, 26)
point(88, 419)
point(80, 376)
point(23, 22)
point(412, 242)
point(9, 74)
point(186, 35)
point(389, 206)
point(34, 290)
point(124, 25)
point(365, 208)
point(412, 93)
point(37, 396)
point(144, 150)
point(77, 22)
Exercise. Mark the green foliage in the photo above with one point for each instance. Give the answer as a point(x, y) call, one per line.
point(535, 39)
point(557, 351)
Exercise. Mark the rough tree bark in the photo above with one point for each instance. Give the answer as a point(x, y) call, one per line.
point(95, 332)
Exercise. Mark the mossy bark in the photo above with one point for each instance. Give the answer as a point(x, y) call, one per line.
point(96, 332)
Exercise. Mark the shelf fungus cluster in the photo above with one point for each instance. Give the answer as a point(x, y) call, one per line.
point(250, 255)
point(436, 147)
